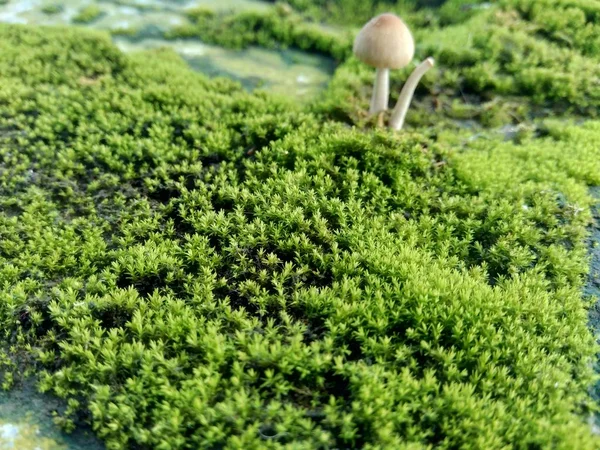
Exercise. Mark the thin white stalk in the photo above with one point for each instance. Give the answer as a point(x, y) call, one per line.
point(399, 113)
point(381, 91)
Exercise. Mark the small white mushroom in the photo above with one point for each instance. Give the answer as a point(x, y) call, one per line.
point(385, 43)
point(406, 95)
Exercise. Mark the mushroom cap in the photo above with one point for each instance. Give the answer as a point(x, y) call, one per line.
point(385, 42)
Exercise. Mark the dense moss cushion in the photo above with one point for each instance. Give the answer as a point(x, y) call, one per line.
point(193, 266)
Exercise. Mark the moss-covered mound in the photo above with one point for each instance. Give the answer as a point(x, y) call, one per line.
point(193, 266)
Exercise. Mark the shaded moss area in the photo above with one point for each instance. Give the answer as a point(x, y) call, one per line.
point(192, 266)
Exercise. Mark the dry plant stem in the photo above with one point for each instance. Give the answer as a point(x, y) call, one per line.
point(381, 91)
point(399, 113)
point(380, 119)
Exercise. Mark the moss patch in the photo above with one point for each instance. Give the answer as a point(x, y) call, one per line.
point(52, 9)
point(492, 69)
point(88, 14)
point(496, 65)
point(280, 28)
point(189, 265)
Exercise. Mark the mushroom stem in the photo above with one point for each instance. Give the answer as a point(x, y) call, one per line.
point(381, 91)
point(406, 95)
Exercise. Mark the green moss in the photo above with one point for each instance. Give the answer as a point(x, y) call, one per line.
point(350, 12)
point(274, 29)
point(128, 31)
point(140, 5)
point(193, 266)
point(571, 24)
point(88, 14)
point(52, 9)
point(506, 64)
point(491, 63)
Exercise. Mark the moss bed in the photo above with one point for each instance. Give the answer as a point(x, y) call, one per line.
point(192, 266)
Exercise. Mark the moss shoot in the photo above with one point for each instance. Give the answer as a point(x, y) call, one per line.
point(189, 265)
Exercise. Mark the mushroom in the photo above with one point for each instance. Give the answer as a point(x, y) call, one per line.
point(385, 43)
point(406, 95)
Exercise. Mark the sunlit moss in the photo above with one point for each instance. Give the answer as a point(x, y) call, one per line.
point(194, 266)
